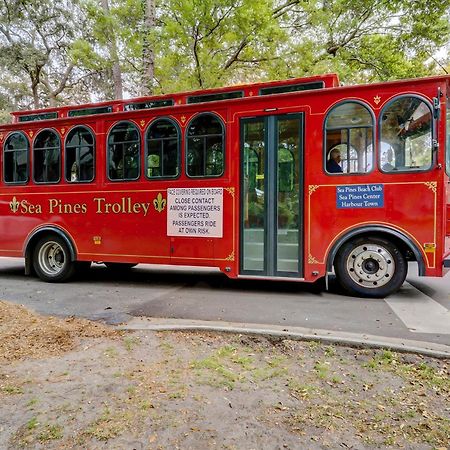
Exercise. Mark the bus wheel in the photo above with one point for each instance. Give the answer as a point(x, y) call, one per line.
point(370, 267)
point(51, 260)
point(119, 266)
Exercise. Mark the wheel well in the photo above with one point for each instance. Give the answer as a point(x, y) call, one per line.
point(33, 240)
point(407, 248)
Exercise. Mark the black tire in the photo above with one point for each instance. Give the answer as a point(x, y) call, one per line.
point(119, 267)
point(370, 267)
point(51, 260)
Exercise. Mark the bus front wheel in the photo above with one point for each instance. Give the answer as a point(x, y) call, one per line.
point(370, 267)
point(51, 260)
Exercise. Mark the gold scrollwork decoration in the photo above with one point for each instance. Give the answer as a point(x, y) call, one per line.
point(377, 99)
point(432, 185)
point(313, 188)
point(231, 191)
point(230, 257)
point(312, 260)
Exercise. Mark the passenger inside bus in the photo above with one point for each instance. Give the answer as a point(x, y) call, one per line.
point(388, 165)
point(333, 163)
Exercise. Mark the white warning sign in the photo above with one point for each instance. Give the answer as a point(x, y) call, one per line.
point(195, 212)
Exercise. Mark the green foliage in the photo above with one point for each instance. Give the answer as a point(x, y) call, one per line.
point(214, 42)
point(74, 50)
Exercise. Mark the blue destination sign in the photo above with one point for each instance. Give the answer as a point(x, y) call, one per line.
point(360, 196)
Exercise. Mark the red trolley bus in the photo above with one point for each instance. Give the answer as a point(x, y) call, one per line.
point(286, 180)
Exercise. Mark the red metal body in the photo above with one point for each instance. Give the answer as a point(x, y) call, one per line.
point(127, 221)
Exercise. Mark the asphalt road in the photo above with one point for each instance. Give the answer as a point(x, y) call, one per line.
point(419, 311)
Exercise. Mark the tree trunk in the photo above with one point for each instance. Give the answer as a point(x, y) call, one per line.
point(34, 76)
point(148, 56)
point(114, 54)
point(34, 89)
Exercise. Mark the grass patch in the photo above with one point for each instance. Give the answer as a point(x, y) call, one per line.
point(33, 402)
point(108, 425)
point(32, 423)
point(130, 342)
point(301, 390)
point(12, 390)
point(322, 369)
point(50, 433)
point(111, 352)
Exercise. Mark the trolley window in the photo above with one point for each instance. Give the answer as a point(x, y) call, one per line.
point(15, 158)
point(47, 157)
point(124, 152)
point(205, 146)
point(79, 159)
point(406, 135)
point(349, 139)
point(163, 149)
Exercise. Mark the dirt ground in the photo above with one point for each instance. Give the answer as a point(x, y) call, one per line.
point(71, 383)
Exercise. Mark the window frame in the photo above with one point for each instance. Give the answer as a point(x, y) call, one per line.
point(206, 98)
point(119, 180)
point(28, 159)
point(432, 129)
point(146, 139)
point(34, 158)
point(186, 144)
point(325, 152)
point(94, 147)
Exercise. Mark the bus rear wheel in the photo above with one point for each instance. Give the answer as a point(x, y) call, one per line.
point(51, 260)
point(370, 267)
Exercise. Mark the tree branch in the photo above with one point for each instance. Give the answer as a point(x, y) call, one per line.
point(234, 57)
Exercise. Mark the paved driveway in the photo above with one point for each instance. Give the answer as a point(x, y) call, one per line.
point(419, 311)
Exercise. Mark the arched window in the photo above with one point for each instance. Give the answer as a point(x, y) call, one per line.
point(349, 139)
point(79, 159)
point(205, 146)
point(15, 158)
point(47, 157)
point(406, 135)
point(163, 148)
point(124, 146)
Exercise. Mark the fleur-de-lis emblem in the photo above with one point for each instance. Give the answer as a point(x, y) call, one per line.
point(63, 130)
point(14, 205)
point(97, 240)
point(159, 202)
point(142, 123)
point(31, 133)
point(377, 99)
point(183, 119)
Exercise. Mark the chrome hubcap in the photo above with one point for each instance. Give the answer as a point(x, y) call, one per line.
point(370, 265)
point(51, 258)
